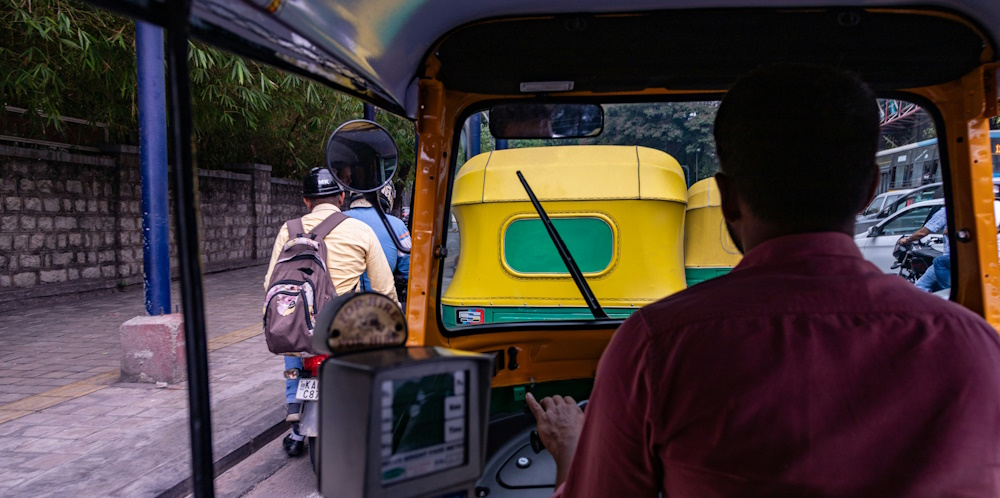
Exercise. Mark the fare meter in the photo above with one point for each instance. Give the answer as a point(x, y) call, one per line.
point(396, 421)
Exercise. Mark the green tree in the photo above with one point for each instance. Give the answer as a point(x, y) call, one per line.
point(681, 129)
point(64, 58)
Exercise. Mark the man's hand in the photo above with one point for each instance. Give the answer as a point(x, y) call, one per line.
point(560, 421)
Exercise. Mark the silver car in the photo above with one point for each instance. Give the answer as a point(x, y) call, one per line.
point(881, 201)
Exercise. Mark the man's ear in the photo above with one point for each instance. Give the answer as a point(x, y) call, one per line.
point(728, 198)
point(305, 201)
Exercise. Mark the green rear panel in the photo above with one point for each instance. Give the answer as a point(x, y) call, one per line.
point(699, 275)
point(499, 314)
point(528, 248)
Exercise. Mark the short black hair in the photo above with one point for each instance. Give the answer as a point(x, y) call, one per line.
point(799, 142)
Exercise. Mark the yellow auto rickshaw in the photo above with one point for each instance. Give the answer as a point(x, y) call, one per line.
point(709, 251)
point(619, 209)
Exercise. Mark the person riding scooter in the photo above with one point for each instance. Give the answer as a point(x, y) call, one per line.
point(352, 249)
point(362, 209)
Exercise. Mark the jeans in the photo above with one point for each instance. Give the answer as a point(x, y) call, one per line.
point(931, 280)
point(293, 385)
point(942, 270)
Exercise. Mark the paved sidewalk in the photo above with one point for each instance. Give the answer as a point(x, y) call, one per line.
point(69, 428)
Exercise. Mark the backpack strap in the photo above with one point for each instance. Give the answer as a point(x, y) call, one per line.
point(295, 228)
point(320, 231)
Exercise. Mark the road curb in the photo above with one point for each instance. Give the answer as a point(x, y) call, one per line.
point(259, 432)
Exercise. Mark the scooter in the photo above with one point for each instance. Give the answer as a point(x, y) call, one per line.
point(913, 259)
point(308, 394)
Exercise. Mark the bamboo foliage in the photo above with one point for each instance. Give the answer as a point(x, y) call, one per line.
point(65, 58)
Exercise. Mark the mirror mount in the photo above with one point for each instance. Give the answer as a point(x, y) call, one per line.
point(385, 221)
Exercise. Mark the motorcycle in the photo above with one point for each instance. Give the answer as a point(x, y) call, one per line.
point(913, 259)
point(307, 393)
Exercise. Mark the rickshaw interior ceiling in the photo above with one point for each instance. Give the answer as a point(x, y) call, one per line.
point(603, 53)
point(377, 49)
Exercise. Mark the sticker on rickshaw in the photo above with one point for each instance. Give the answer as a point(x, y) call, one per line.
point(466, 316)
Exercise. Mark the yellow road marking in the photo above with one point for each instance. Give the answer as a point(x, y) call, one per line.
point(234, 337)
point(52, 397)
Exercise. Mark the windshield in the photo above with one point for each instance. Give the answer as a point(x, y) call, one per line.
point(602, 195)
point(876, 204)
point(637, 209)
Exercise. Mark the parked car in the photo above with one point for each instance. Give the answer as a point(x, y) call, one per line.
point(881, 201)
point(919, 194)
point(877, 242)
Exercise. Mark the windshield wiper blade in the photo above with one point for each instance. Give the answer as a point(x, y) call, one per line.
point(574, 270)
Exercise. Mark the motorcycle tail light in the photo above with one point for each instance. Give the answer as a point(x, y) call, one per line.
point(312, 363)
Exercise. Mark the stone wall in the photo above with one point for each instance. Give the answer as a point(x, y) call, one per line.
point(226, 217)
point(72, 223)
point(286, 203)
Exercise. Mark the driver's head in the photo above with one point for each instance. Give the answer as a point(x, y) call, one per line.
point(344, 174)
point(796, 145)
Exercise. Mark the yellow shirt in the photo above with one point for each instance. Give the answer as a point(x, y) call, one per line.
point(351, 249)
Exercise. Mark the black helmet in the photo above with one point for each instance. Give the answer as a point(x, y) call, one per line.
point(320, 183)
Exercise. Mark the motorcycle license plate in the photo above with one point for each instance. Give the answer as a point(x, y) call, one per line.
point(308, 390)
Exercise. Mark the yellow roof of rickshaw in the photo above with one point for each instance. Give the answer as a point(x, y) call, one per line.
point(704, 193)
point(571, 172)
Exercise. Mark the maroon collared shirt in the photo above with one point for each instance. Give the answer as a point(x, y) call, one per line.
point(806, 371)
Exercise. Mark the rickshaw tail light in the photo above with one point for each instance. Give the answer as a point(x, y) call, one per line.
point(312, 363)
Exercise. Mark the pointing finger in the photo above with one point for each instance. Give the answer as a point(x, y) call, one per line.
point(533, 405)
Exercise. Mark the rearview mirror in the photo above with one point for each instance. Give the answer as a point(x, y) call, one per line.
point(534, 120)
point(362, 156)
point(871, 231)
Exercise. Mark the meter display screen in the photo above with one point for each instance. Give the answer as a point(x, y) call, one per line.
point(423, 425)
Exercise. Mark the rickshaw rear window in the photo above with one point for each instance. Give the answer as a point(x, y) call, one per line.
point(527, 248)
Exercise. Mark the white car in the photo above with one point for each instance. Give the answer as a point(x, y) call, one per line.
point(878, 242)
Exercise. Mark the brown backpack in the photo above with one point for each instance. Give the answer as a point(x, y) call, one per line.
point(299, 287)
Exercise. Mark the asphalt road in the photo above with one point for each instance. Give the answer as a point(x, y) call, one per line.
point(269, 473)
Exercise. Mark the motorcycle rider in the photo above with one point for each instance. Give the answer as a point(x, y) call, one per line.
point(353, 249)
point(362, 209)
point(934, 279)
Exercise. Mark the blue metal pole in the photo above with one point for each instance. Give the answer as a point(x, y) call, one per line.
point(501, 144)
point(475, 128)
point(369, 112)
point(153, 167)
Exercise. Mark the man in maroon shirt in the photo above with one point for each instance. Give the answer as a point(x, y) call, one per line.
point(806, 370)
